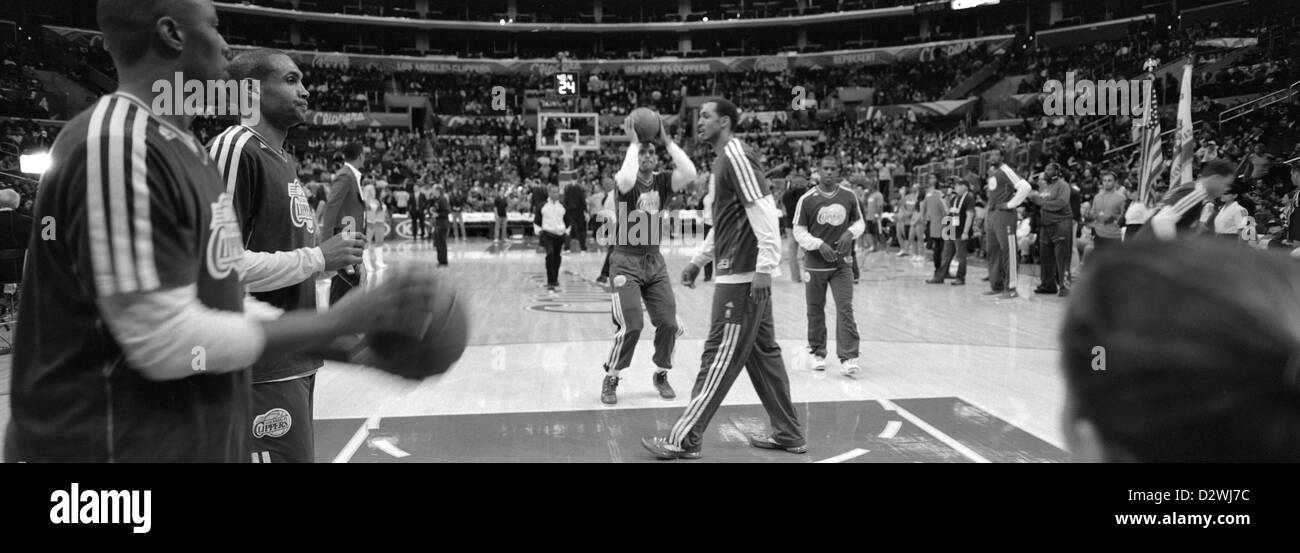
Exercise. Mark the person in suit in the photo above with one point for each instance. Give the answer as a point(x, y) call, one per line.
point(344, 211)
point(440, 211)
point(933, 210)
point(575, 209)
point(15, 231)
point(419, 203)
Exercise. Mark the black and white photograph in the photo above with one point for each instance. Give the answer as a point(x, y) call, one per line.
point(483, 236)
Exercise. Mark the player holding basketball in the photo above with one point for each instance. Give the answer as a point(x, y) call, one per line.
point(636, 267)
point(745, 244)
point(137, 345)
point(281, 258)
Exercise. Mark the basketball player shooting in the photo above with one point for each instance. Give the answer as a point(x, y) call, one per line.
point(636, 266)
point(745, 244)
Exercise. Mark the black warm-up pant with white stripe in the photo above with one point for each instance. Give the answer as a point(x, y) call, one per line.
point(742, 336)
point(637, 277)
point(840, 281)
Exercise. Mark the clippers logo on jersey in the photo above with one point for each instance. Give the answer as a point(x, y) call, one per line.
point(648, 202)
point(272, 424)
point(832, 214)
point(300, 213)
point(225, 245)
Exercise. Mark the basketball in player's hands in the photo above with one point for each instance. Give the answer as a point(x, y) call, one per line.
point(646, 124)
point(423, 338)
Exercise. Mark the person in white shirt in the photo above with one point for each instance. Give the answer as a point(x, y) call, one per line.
point(1232, 218)
point(548, 222)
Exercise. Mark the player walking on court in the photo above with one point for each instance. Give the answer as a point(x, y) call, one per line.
point(827, 219)
point(745, 244)
point(636, 267)
point(281, 257)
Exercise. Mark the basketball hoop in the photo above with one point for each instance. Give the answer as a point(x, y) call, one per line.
point(567, 142)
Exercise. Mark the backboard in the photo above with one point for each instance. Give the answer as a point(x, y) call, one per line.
point(557, 132)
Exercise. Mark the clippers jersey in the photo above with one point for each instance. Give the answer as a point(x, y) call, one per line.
point(645, 204)
point(135, 205)
point(738, 180)
point(826, 217)
point(274, 216)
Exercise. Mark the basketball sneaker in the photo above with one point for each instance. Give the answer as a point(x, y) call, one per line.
point(850, 367)
point(661, 383)
point(608, 393)
point(818, 363)
point(766, 442)
point(662, 449)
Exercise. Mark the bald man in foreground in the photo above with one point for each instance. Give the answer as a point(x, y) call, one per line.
point(138, 346)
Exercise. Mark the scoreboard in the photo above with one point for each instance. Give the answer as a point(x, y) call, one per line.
point(566, 84)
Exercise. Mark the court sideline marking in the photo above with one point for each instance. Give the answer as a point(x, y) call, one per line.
point(938, 434)
point(358, 438)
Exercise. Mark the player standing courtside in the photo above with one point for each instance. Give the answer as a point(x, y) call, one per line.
point(281, 256)
point(746, 246)
point(1006, 191)
point(636, 267)
point(137, 343)
point(827, 219)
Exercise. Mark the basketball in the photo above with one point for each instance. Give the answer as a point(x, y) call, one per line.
point(646, 124)
point(418, 358)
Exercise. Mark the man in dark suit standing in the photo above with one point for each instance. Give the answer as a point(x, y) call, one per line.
point(440, 209)
point(418, 205)
point(345, 211)
point(575, 213)
point(15, 231)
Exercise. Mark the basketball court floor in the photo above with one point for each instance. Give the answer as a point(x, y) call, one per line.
point(948, 375)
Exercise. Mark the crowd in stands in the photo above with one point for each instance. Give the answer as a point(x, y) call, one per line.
point(20, 94)
point(478, 158)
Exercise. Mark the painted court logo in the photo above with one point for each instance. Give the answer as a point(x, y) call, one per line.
point(77, 506)
point(1124, 97)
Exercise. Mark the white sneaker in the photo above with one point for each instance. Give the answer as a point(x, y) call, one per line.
point(818, 363)
point(850, 367)
point(902, 254)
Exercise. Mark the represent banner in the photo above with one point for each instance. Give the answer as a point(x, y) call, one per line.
point(940, 108)
point(358, 119)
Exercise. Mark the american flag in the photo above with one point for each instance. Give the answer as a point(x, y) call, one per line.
point(1151, 155)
